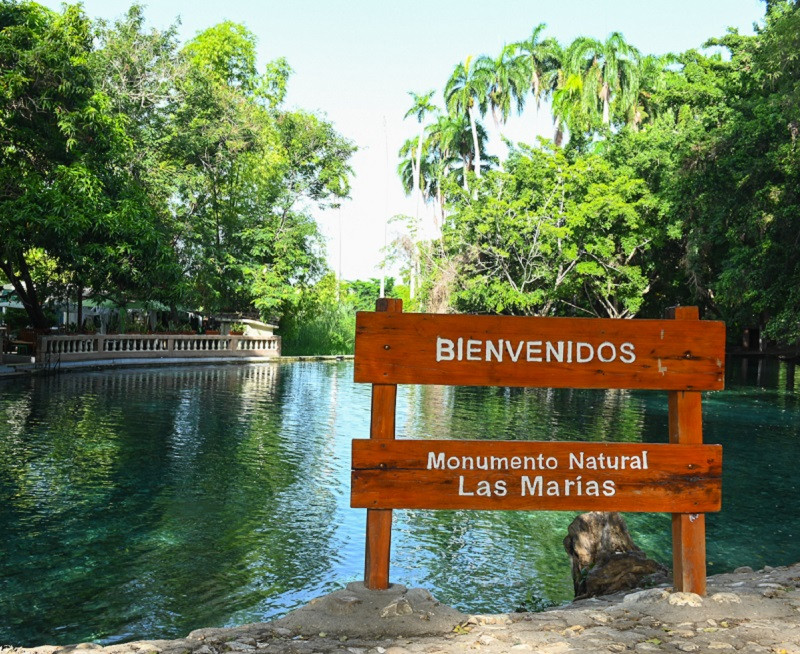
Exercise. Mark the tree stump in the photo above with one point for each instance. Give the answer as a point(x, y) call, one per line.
point(604, 557)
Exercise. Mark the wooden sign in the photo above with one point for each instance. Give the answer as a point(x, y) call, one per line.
point(682, 355)
point(401, 348)
point(546, 476)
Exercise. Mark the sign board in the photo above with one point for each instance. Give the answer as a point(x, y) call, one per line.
point(405, 348)
point(682, 355)
point(550, 476)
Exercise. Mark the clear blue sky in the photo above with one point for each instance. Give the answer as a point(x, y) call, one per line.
point(355, 60)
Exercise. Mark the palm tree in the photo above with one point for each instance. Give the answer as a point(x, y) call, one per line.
point(568, 105)
point(507, 83)
point(653, 71)
point(608, 71)
point(451, 139)
point(465, 94)
point(420, 108)
point(540, 62)
point(407, 167)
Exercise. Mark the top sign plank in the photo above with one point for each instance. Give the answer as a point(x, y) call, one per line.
point(466, 350)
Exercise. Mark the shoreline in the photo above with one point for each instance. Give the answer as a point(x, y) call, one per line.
point(744, 611)
point(17, 371)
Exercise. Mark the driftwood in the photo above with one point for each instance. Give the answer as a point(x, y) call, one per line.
point(604, 557)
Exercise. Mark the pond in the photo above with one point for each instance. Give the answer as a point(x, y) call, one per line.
point(147, 503)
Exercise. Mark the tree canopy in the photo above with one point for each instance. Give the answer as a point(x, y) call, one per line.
point(670, 179)
point(146, 170)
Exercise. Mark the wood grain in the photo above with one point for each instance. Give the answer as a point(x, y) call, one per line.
point(398, 474)
point(688, 528)
point(378, 541)
point(401, 348)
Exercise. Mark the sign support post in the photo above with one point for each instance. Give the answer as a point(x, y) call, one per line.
point(688, 529)
point(379, 521)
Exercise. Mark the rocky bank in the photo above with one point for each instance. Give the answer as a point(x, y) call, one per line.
point(745, 611)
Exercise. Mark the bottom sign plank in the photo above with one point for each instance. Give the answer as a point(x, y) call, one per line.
point(526, 475)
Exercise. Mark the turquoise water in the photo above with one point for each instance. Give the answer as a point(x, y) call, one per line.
point(147, 503)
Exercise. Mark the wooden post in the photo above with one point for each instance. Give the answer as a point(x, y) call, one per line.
point(688, 530)
point(379, 521)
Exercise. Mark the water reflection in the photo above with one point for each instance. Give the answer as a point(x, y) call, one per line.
point(149, 503)
point(145, 503)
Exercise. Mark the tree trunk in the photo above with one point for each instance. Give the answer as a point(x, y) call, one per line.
point(475, 143)
point(418, 170)
point(23, 285)
point(80, 305)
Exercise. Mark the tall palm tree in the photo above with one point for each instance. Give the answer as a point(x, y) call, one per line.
point(451, 139)
point(507, 83)
point(568, 106)
point(609, 74)
point(421, 107)
point(653, 72)
point(540, 62)
point(465, 94)
point(407, 166)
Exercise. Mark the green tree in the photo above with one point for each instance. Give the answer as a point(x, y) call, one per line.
point(540, 61)
point(602, 77)
point(420, 109)
point(508, 83)
point(550, 236)
point(67, 192)
point(251, 173)
point(466, 95)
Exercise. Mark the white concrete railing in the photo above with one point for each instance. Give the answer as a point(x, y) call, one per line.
point(84, 347)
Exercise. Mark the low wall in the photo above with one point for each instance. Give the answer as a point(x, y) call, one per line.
point(99, 347)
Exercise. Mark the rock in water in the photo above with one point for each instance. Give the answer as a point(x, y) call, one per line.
point(605, 559)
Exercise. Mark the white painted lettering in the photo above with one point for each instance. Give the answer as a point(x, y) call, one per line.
point(529, 488)
point(494, 350)
point(444, 349)
point(627, 354)
point(514, 355)
point(534, 350)
point(499, 463)
point(461, 490)
point(435, 461)
point(584, 347)
point(473, 350)
point(553, 353)
point(612, 352)
point(484, 488)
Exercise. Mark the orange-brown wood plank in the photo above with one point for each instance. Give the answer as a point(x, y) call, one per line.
point(407, 348)
point(688, 528)
point(377, 549)
point(427, 474)
point(378, 542)
point(686, 430)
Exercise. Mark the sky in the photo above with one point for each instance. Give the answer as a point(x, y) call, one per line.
point(355, 61)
